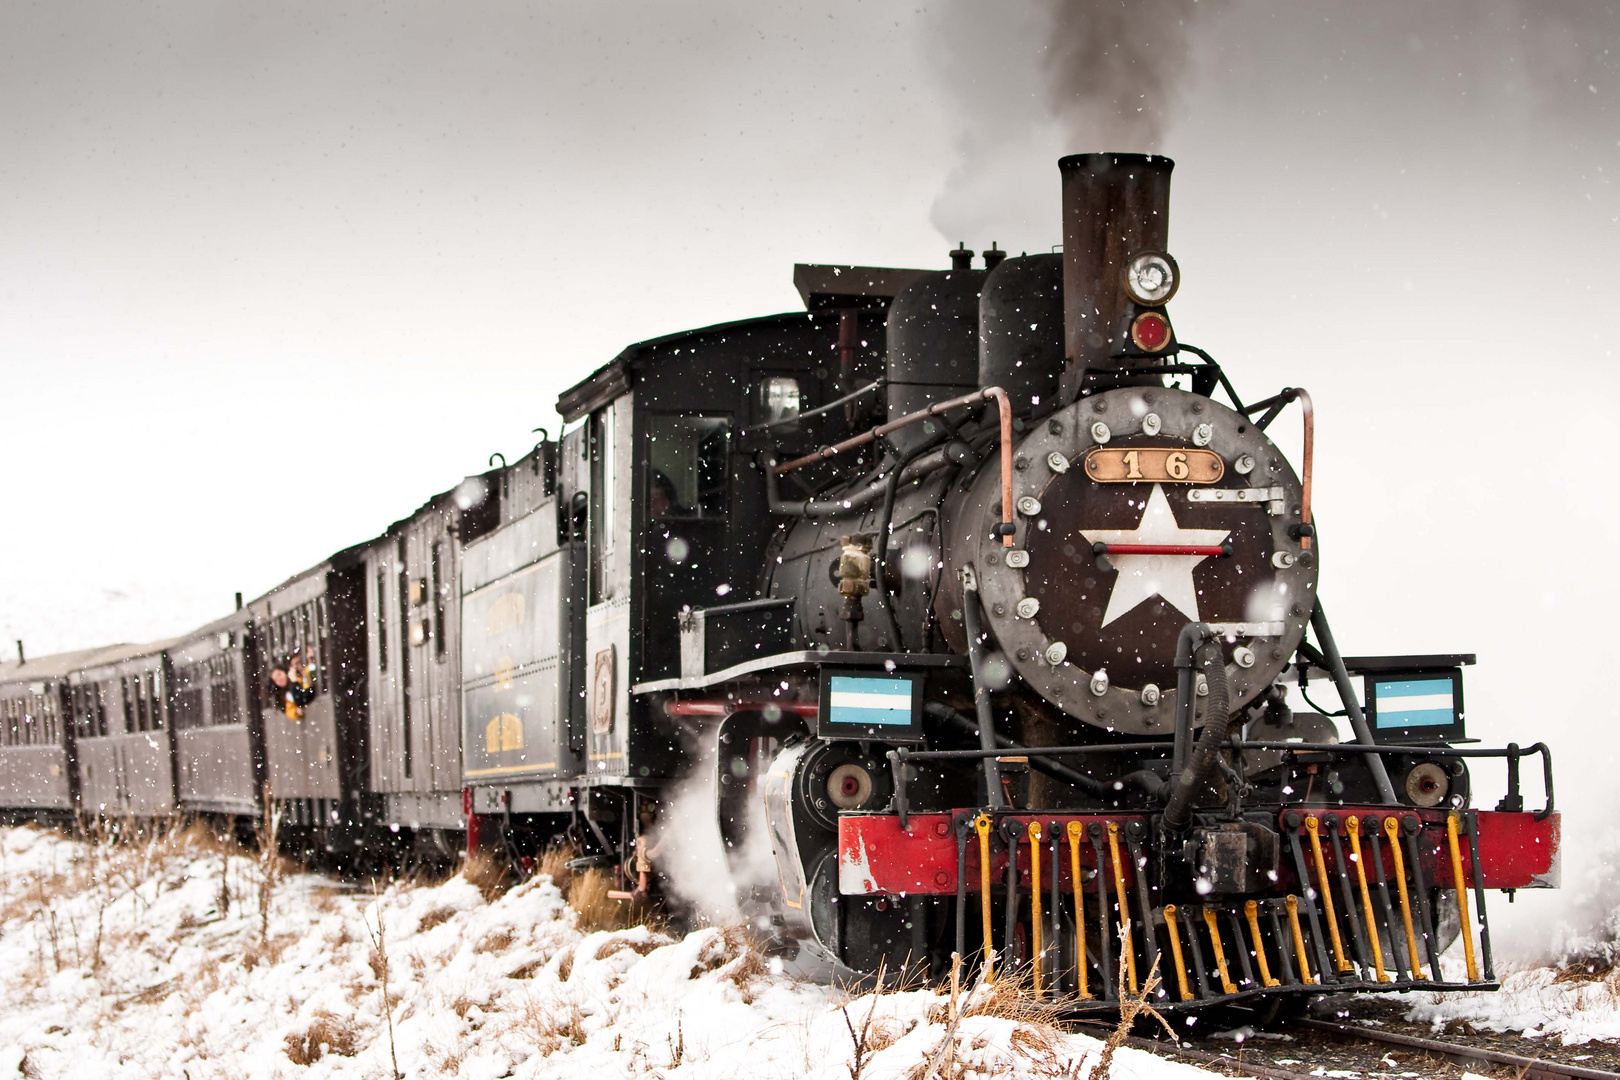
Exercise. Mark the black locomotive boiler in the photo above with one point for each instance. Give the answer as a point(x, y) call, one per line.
point(975, 595)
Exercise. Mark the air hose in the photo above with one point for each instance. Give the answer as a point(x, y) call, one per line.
point(1198, 651)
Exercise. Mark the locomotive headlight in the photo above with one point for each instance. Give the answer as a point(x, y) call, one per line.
point(1152, 278)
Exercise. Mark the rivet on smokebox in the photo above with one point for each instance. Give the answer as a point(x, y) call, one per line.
point(1100, 432)
point(1017, 558)
point(1243, 656)
point(1055, 653)
point(1150, 695)
point(1282, 560)
point(1099, 683)
point(1057, 462)
point(1027, 607)
point(1244, 464)
point(1202, 434)
point(1029, 506)
point(1150, 424)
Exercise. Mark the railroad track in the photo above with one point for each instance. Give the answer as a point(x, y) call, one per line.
point(1472, 1058)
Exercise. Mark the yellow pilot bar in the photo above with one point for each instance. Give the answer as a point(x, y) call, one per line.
point(1035, 903)
point(1326, 891)
point(1392, 829)
point(1251, 911)
point(1175, 950)
point(1227, 985)
point(1352, 825)
point(1465, 917)
point(1079, 905)
point(1305, 976)
point(981, 825)
point(1126, 946)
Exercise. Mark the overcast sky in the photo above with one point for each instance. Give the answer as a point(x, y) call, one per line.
point(270, 275)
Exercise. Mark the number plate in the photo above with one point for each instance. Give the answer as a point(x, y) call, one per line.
point(1154, 465)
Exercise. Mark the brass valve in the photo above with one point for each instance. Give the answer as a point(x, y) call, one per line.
point(855, 565)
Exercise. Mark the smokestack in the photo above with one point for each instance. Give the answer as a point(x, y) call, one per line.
point(1115, 206)
point(20, 658)
point(238, 601)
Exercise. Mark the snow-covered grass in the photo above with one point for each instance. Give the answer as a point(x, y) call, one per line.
point(151, 958)
point(1574, 1002)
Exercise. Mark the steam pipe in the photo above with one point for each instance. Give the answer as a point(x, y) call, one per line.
point(1305, 497)
point(1062, 773)
point(1352, 707)
point(726, 708)
point(1197, 645)
point(922, 466)
point(880, 549)
point(1006, 529)
point(981, 692)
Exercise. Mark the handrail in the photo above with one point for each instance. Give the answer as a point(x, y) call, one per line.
point(818, 410)
point(1004, 405)
point(1511, 753)
point(1271, 406)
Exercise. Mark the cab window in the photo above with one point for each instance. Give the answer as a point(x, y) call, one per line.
point(686, 467)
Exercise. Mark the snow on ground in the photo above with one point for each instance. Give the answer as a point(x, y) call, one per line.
point(1568, 1004)
point(154, 959)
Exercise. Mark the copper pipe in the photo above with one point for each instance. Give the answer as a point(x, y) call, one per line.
point(726, 708)
point(995, 393)
point(1310, 442)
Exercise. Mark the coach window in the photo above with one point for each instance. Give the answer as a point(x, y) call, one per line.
point(129, 705)
point(323, 657)
point(154, 698)
point(382, 618)
point(437, 585)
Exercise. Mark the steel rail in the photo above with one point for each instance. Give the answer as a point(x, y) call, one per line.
point(1457, 1053)
point(1461, 1053)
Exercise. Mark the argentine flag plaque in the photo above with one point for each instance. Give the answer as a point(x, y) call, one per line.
point(1419, 705)
point(885, 704)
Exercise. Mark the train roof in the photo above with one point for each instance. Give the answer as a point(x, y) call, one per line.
point(489, 477)
point(618, 375)
point(115, 654)
point(825, 290)
point(55, 665)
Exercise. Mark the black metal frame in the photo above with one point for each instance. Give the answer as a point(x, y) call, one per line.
point(1512, 753)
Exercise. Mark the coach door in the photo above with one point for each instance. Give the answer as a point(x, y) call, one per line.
point(607, 619)
point(429, 674)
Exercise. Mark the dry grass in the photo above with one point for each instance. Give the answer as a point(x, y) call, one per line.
point(264, 951)
point(461, 1003)
point(497, 940)
point(1588, 969)
point(640, 948)
point(552, 1024)
point(1131, 1006)
point(526, 971)
point(326, 1034)
point(489, 873)
point(596, 910)
point(554, 864)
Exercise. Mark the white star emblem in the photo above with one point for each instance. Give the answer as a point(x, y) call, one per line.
point(1144, 576)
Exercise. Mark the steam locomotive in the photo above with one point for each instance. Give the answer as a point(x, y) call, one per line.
point(962, 592)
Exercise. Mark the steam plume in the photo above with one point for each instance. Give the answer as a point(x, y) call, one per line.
point(1034, 79)
point(1113, 68)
